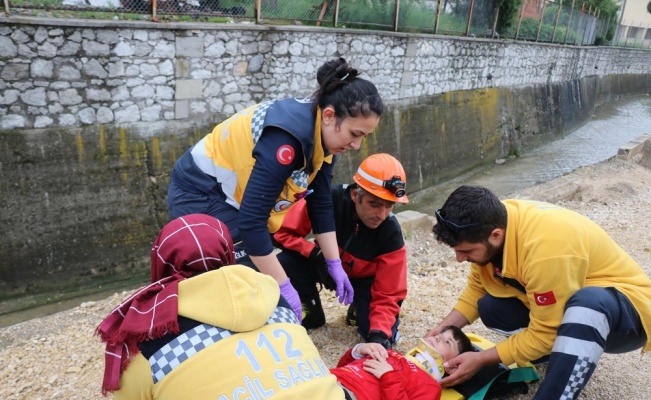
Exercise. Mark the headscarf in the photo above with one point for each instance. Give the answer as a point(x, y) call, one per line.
point(186, 246)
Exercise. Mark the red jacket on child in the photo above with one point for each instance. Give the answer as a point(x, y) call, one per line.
point(407, 381)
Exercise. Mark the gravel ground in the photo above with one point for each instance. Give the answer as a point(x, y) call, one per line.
point(57, 357)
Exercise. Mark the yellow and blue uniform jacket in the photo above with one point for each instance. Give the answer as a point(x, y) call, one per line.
point(240, 163)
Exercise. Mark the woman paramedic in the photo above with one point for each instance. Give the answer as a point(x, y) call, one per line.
point(257, 163)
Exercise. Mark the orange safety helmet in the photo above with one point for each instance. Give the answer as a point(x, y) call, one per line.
point(382, 175)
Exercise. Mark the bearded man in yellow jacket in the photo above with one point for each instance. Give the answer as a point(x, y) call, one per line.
point(552, 280)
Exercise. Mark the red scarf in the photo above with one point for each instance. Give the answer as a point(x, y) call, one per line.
point(187, 246)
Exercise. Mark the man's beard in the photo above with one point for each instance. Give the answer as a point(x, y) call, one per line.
point(493, 255)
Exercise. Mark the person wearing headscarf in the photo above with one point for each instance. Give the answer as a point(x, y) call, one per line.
point(200, 331)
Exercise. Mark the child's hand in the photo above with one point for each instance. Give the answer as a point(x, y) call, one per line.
point(374, 350)
point(377, 367)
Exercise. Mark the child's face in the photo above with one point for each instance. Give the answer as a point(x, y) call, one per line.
point(445, 344)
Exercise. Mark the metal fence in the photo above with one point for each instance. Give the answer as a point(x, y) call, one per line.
point(536, 20)
point(629, 34)
point(554, 22)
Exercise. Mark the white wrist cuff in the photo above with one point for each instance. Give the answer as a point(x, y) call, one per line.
point(355, 354)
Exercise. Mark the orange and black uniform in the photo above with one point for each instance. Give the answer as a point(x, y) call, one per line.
point(374, 259)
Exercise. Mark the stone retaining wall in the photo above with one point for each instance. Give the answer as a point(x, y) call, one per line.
point(60, 73)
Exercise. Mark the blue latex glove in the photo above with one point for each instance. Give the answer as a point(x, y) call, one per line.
point(344, 289)
point(291, 295)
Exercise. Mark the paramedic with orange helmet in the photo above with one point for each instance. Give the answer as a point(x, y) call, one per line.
point(372, 251)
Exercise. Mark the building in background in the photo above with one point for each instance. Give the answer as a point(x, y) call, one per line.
point(634, 28)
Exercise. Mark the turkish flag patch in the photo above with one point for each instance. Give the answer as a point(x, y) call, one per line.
point(545, 299)
point(285, 154)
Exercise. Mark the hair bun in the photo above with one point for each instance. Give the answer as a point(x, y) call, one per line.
point(351, 74)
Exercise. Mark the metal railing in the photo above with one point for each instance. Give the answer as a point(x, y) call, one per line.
point(555, 22)
point(629, 34)
point(568, 22)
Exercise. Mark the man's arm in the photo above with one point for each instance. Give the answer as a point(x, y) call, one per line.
point(465, 310)
point(468, 364)
point(454, 318)
point(296, 226)
point(388, 290)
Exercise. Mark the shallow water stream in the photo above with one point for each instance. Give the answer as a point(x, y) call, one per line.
point(612, 126)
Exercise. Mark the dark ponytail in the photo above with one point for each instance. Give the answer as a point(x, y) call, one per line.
point(349, 95)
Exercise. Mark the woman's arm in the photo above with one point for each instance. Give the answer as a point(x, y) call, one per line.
point(328, 243)
point(270, 265)
point(267, 180)
point(277, 154)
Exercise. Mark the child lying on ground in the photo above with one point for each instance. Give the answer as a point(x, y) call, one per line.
point(368, 371)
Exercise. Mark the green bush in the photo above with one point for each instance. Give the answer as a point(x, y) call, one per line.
point(508, 17)
point(600, 41)
point(528, 29)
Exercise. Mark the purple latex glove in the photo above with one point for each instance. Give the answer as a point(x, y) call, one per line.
point(344, 288)
point(291, 295)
